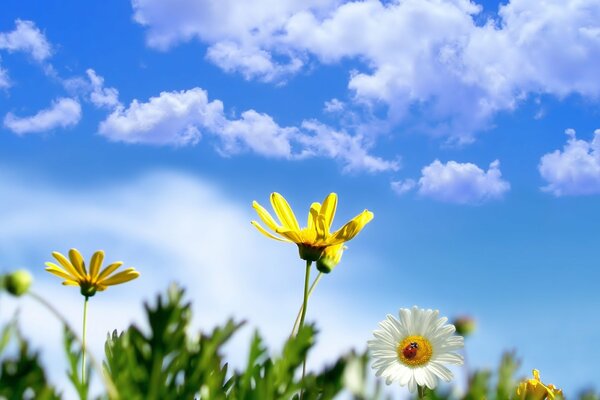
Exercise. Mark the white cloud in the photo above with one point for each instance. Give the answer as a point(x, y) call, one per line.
point(184, 232)
point(334, 106)
point(257, 132)
point(236, 30)
point(403, 186)
point(179, 118)
point(575, 170)
point(63, 112)
point(428, 57)
point(252, 63)
point(4, 79)
point(462, 183)
point(171, 118)
point(323, 140)
point(26, 38)
point(102, 96)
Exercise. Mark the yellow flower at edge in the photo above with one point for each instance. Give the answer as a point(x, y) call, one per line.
point(534, 389)
point(316, 236)
point(76, 274)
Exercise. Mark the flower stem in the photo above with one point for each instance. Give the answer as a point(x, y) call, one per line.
point(312, 288)
point(305, 298)
point(83, 349)
point(108, 383)
point(303, 314)
point(421, 391)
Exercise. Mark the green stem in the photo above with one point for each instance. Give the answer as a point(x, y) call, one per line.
point(421, 391)
point(312, 288)
point(303, 315)
point(108, 383)
point(83, 347)
point(305, 297)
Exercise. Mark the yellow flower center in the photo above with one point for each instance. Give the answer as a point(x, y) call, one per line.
point(414, 351)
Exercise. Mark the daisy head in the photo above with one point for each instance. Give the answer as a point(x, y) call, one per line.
point(414, 349)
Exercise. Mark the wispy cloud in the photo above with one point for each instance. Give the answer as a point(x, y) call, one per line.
point(27, 38)
point(420, 56)
point(63, 112)
point(4, 79)
point(167, 237)
point(575, 170)
point(182, 118)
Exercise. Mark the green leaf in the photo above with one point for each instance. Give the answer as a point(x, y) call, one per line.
point(74, 356)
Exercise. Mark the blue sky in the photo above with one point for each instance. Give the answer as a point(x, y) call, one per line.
point(467, 128)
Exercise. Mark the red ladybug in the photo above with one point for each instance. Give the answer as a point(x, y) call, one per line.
point(410, 351)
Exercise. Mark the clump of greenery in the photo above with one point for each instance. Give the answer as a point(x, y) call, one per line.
point(168, 361)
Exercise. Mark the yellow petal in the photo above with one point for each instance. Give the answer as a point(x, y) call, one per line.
point(70, 282)
point(96, 263)
point(265, 216)
point(121, 277)
point(77, 261)
point(267, 233)
point(67, 265)
point(314, 210)
point(328, 209)
point(56, 270)
point(321, 227)
point(293, 235)
point(352, 228)
point(284, 212)
point(108, 270)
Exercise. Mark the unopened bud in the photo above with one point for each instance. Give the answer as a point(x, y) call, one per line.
point(18, 282)
point(330, 258)
point(465, 325)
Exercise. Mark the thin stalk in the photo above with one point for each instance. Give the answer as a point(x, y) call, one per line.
point(108, 383)
point(83, 346)
point(421, 391)
point(303, 315)
point(312, 288)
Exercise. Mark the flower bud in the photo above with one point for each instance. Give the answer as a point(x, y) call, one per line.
point(18, 282)
point(465, 325)
point(330, 258)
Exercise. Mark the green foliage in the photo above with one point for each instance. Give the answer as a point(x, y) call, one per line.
point(166, 361)
point(21, 375)
point(74, 356)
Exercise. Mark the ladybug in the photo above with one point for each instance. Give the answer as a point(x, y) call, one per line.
point(410, 351)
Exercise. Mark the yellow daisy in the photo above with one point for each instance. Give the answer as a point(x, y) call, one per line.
point(534, 389)
point(316, 236)
point(75, 273)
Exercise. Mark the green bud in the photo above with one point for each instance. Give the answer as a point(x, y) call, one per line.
point(18, 282)
point(331, 258)
point(465, 325)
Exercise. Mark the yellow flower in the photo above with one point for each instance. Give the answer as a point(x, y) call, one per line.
point(316, 236)
point(534, 389)
point(75, 273)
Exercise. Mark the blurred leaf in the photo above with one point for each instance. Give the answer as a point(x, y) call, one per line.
point(22, 376)
point(74, 355)
point(506, 383)
point(165, 363)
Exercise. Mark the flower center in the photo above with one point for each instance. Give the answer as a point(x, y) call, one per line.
point(414, 351)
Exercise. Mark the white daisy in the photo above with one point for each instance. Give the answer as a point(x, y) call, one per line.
point(414, 349)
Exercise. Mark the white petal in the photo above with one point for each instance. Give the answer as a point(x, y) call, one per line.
point(441, 371)
point(406, 318)
point(412, 384)
point(450, 358)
